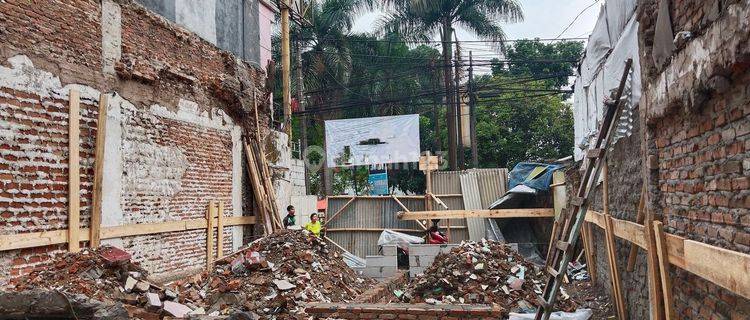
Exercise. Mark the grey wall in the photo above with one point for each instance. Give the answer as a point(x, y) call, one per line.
point(233, 25)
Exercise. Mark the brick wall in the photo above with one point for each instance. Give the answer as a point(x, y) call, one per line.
point(697, 110)
point(178, 108)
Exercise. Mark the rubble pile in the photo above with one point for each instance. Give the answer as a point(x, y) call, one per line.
point(105, 275)
point(485, 272)
point(275, 277)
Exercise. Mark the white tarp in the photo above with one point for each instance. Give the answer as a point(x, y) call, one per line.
point(376, 140)
point(597, 78)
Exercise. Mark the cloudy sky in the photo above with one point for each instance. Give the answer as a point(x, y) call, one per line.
point(543, 19)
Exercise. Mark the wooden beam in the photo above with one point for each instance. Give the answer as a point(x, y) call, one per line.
point(400, 204)
point(220, 232)
point(460, 214)
point(210, 213)
point(666, 282)
point(609, 236)
point(371, 230)
point(48, 238)
point(439, 202)
point(654, 278)
point(74, 172)
point(328, 220)
point(96, 198)
point(638, 219)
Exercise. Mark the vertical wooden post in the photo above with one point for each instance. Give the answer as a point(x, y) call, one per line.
point(654, 279)
point(220, 232)
point(96, 209)
point(638, 219)
point(74, 172)
point(591, 264)
point(666, 282)
point(210, 234)
point(286, 68)
point(614, 273)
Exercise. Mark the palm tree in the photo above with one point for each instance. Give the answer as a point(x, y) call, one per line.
point(326, 59)
point(422, 19)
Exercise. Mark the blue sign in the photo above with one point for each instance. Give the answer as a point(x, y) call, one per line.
point(378, 181)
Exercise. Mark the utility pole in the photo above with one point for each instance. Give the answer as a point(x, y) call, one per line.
point(300, 101)
point(473, 115)
point(286, 68)
point(459, 113)
point(450, 115)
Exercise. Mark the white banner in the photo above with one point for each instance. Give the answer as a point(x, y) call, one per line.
point(376, 140)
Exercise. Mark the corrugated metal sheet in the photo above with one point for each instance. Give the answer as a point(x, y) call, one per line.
point(472, 200)
point(367, 213)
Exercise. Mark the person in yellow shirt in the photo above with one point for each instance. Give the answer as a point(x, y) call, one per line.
point(314, 225)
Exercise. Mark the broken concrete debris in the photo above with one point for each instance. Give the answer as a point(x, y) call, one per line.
point(485, 272)
point(272, 279)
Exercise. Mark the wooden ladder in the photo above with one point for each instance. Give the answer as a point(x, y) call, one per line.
point(564, 242)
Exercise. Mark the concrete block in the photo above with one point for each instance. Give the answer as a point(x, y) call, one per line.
point(421, 261)
point(379, 272)
point(390, 251)
point(430, 249)
point(381, 261)
point(415, 271)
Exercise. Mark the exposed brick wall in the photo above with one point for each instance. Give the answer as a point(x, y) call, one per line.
point(625, 182)
point(34, 161)
point(173, 161)
point(698, 130)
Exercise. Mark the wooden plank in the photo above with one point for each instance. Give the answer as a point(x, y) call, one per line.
point(438, 201)
point(74, 172)
point(591, 256)
point(666, 283)
point(220, 231)
point(613, 271)
point(461, 214)
point(638, 219)
point(726, 268)
point(96, 198)
point(47, 238)
point(372, 230)
point(399, 203)
point(654, 278)
point(257, 188)
point(328, 220)
point(210, 213)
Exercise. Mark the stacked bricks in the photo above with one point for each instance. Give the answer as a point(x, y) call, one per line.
point(421, 256)
point(383, 291)
point(402, 311)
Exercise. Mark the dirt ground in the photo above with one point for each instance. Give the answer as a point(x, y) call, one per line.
point(588, 295)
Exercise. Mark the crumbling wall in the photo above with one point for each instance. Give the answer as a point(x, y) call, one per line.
point(697, 110)
point(178, 110)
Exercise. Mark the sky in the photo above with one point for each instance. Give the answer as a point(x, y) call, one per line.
point(543, 19)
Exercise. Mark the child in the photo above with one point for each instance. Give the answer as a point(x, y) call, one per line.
point(290, 219)
point(314, 225)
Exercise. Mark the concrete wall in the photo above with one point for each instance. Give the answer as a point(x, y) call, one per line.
point(232, 25)
point(172, 139)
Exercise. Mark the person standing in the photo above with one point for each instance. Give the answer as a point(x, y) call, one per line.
point(314, 225)
point(290, 219)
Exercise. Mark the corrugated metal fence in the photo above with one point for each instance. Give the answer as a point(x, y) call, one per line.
point(358, 226)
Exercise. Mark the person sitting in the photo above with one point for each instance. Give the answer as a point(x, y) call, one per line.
point(314, 225)
point(290, 220)
point(434, 236)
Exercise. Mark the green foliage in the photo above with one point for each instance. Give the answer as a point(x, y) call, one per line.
point(554, 71)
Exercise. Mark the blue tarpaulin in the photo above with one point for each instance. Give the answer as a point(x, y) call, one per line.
point(533, 175)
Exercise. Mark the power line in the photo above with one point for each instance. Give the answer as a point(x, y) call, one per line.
point(453, 41)
point(576, 18)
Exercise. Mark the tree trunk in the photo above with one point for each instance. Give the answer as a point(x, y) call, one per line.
point(450, 115)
